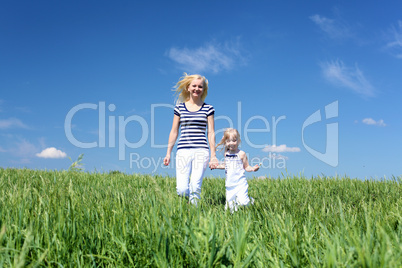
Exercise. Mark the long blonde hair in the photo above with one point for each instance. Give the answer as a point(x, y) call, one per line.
point(183, 84)
point(226, 135)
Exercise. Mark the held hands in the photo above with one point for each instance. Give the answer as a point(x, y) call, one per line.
point(213, 164)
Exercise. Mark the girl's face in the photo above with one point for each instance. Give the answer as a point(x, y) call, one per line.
point(232, 143)
point(196, 88)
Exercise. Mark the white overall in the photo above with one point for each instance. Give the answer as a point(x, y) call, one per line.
point(236, 183)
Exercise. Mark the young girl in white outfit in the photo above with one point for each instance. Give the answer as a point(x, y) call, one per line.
point(235, 165)
point(195, 118)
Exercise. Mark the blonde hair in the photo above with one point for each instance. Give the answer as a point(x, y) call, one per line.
point(226, 135)
point(183, 84)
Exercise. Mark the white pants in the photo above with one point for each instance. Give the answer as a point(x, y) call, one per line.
point(237, 196)
point(190, 168)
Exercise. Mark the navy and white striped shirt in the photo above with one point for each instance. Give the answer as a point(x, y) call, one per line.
point(193, 126)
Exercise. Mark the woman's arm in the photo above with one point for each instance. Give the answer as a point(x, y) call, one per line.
point(213, 162)
point(172, 139)
point(246, 165)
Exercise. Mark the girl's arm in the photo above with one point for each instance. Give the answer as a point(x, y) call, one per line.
point(220, 166)
point(213, 162)
point(172, 138)
point(246, 165)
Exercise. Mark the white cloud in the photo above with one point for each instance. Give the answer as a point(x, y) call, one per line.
point(371, 121)
point(210, 57)
point(395, 46)
point(23, 149)
point(18, 146)
point(11, 123)
point(280, 149)
point(333, 28)
point(51, 152)
point(351, 78)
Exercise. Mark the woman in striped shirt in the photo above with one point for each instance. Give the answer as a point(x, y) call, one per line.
point(195, 118)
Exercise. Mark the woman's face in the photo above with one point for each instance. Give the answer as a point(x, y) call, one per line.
point(196, 88)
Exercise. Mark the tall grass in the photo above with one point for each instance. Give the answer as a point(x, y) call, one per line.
point(77, 219)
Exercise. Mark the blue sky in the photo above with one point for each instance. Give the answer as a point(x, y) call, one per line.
point(313, 86)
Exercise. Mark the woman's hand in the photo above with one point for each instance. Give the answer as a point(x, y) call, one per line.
point(166, 160)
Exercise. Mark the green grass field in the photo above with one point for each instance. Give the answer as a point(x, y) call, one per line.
point(78, 219)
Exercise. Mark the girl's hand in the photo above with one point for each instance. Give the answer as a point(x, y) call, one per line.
point(256, 167)
point(166, 160)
